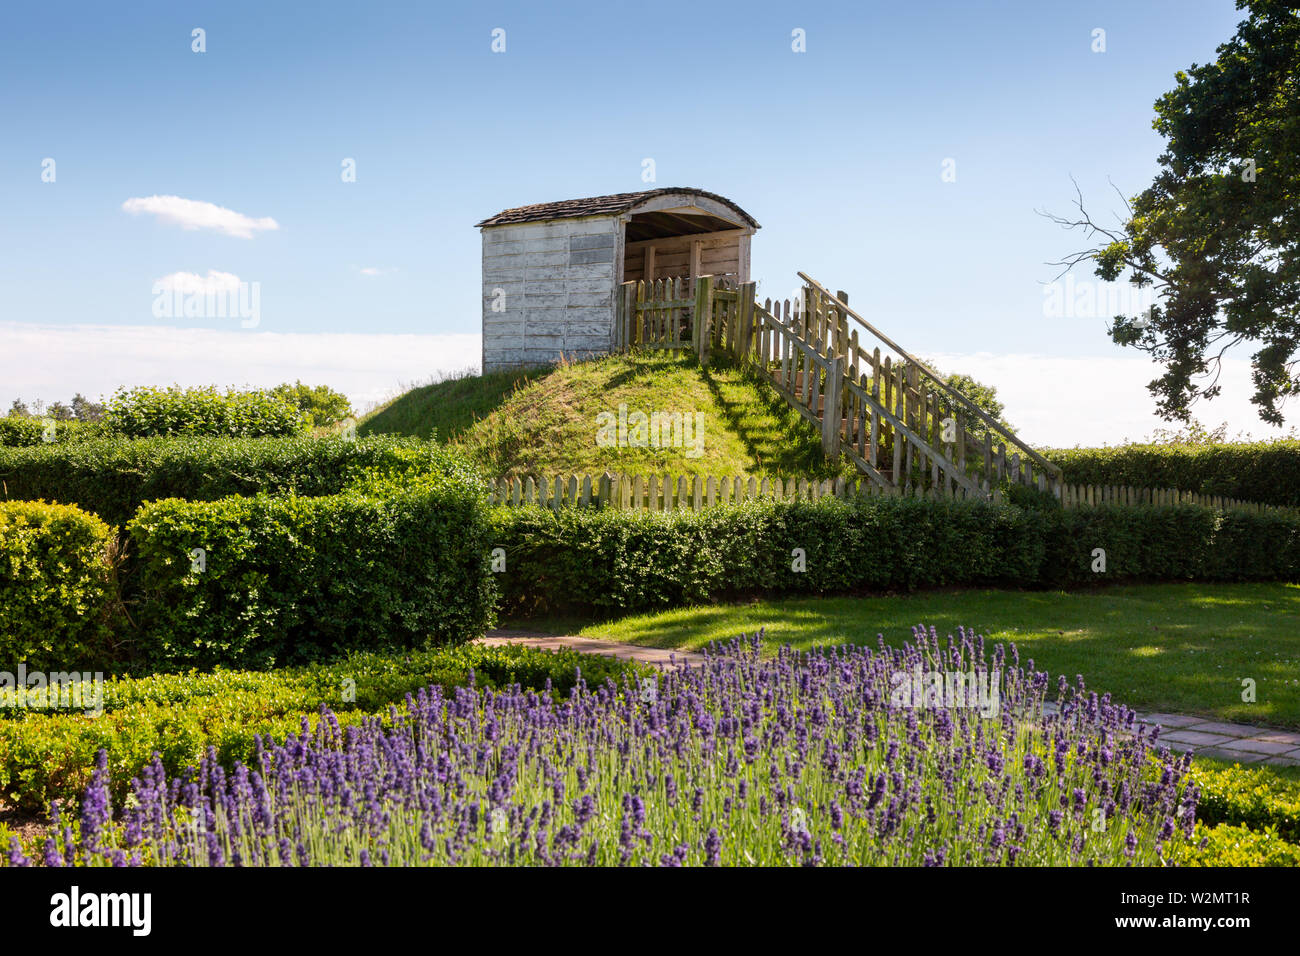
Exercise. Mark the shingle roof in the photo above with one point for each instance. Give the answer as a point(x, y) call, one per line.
point(610, 205)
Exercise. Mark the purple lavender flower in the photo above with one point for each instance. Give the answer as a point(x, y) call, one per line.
point(477, 775)
point(16, 855)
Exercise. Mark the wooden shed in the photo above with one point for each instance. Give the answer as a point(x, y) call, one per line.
point(551, 270)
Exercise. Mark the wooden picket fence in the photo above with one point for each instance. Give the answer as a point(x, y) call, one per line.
point(681, 492)
point(1075, 496)
point(664, 311)
point(902, 426)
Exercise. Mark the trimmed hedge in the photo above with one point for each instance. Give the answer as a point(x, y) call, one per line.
point(628, 560)
point(625, 561)
point(46, 756)
point(1171, 543)
point(1245, 816)
point(288, 579)
point(1237, 795)
point(1157, 542)
point(56, 586)
point(114, 476)
point(1230, 845)
point(1264, 472)
point(146, 412)
point(18, 431)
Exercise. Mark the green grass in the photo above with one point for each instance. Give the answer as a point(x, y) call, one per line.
point(544, 422)
point(1180, 648)
point(445, 409)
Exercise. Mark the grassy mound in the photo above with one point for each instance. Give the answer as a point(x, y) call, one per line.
point(547, 421)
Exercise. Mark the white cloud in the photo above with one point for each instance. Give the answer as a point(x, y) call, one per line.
point(53, 362)
point(1051, 400)
point(191, 283)
point(1062, 402)
point(195, 214)
point(372, 271)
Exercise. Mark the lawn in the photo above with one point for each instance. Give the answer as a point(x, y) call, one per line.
point(545, 421)
point(1182, 648)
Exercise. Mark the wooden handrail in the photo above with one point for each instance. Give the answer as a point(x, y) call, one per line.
point(817, 361)
point(913, 360)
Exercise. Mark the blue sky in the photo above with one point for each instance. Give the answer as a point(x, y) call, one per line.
point(837, 151)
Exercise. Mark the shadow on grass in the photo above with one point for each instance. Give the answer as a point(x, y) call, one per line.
point(1178, 648)
point(799, 454)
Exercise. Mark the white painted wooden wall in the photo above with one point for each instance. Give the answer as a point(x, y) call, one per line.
point(548, 290)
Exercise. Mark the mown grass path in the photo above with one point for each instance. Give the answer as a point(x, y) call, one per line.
point(1217, 740)
point(1183, 649)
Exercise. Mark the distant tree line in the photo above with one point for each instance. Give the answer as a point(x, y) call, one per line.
point(80, 409)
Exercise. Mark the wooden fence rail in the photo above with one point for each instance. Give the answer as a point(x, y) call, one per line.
point(681, 492)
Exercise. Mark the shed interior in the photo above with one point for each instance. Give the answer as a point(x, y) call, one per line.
point(685, 242)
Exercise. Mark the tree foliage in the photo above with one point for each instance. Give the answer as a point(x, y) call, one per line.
point(1217, 234)
point(322, 405)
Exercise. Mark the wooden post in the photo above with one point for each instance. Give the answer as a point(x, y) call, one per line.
point(959, 428)
point(854, 352)
point(831, 407)
point(842, 324)
point(899, 440)
point(629, 313)
point(814, 317)
point(765, 337)
point(808, 394)
point(745, 338)
point(639, 314)
point(620, 321)
point(703, 316)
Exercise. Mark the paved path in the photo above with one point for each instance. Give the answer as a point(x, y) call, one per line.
point(587, 645)
point(1242, 743)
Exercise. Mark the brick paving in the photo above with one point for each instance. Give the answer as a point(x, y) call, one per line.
point(1242, 743)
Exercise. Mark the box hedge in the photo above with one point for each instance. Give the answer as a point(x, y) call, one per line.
point(1231, 845)
point(265, 580)
point(48, 755)
point(1246, 796)
point(56, 586)
point(1264, 472)
point(113, 476)
point(624, 561)
point(619, 560)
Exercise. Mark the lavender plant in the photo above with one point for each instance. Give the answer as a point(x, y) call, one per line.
point(820, 758)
